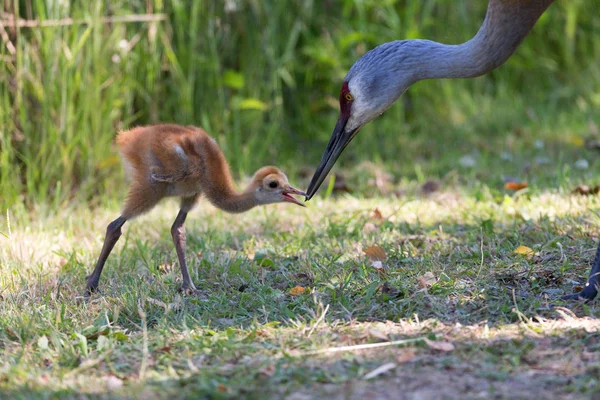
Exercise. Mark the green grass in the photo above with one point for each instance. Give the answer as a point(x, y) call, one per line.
point(249, 337)
point(451, 274)
point(263, 78)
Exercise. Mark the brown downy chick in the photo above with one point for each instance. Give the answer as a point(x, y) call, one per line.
point(183, 161)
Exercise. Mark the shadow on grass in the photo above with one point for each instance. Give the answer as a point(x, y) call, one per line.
point(249, 337)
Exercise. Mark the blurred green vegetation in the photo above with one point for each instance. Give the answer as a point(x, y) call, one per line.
point(263, 78)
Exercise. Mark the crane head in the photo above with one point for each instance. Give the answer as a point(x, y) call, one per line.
point(371, 86)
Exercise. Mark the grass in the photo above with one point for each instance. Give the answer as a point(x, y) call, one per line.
point(70, 88)
point(451, 276)
point(471, 317)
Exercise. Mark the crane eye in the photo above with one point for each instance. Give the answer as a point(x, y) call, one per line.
point(348, 97)
point(273, 185)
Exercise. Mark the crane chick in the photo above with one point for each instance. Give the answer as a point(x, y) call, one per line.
point(183, 161)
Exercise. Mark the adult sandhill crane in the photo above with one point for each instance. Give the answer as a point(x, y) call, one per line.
point(380, 77)
point(183, 161)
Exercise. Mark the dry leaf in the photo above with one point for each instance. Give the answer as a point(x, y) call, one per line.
point(524, 250)
point(515, 185)
point(405, 356)
point(221, 388)
point(378, 334)
point(295, 291)
point(376, 215)
point(199, 254)
point(165, 349)
point(375, 253)
point(380, 370)
point(439, 345)
point(427, 280)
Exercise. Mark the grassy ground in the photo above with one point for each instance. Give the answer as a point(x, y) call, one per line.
point(452, 308)
point(474, 318)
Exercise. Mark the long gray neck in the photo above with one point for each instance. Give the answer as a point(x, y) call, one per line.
point(506, 24)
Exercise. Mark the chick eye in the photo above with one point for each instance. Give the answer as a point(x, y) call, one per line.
point(348, 97)
point(273, 185)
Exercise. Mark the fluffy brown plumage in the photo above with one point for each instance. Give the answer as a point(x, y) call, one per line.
point(183, 161)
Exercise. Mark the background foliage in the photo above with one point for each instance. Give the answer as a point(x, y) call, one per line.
point(263, 77)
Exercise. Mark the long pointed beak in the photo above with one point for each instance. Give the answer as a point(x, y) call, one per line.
point(292, 190)
point(338, 142)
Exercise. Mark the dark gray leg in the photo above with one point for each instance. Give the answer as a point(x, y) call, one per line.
point(113, 232)
point(179, 239)
point(178, 233)
point(591, 287)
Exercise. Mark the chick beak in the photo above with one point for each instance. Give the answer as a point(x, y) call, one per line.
point(286, 193)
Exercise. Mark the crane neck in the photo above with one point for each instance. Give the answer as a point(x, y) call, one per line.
point(217, 182)
point(506, 24)
point(233, 202)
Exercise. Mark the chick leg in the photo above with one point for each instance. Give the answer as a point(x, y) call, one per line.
point(179, 239)
point(113, 232)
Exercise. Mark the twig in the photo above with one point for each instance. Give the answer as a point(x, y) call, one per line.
point(4, 35)
point(29, 23)
point(360, 347)
point(318, 321)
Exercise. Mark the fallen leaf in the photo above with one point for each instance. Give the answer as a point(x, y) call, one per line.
point(439, 345)
point(515, 185)
point(378, 334)
point(427, 280)
point(199, 254)
point(380, 370)
point(524, 250)
point(165, 349)
point(586, 190)
point(405, 356)
point(375, 253)
point(221, 388)
point(376, 215)
point(295, 291)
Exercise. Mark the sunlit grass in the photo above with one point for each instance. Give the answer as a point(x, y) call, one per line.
point(250, 333)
